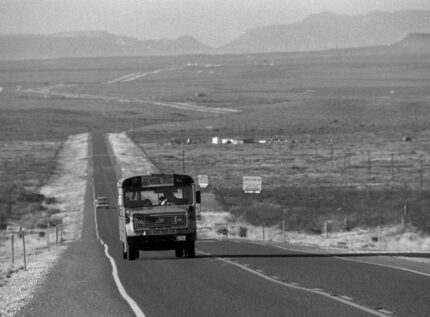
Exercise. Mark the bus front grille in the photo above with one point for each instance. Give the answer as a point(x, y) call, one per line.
point(159, 221)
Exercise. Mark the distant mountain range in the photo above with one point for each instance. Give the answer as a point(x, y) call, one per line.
point(317, 32)
point(92, 44)
point(415, 42)
point(331, 31)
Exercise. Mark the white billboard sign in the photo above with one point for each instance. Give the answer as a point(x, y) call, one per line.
point(203, 181)
point(252, 184)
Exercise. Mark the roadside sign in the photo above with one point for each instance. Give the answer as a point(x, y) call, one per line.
point(252, 184)
point(203, 180)
point(13, 228)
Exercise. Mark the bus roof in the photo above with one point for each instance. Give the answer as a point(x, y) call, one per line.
point(155, 180)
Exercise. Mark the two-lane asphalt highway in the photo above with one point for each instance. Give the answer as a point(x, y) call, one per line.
point(245, 279)
point(227, 278)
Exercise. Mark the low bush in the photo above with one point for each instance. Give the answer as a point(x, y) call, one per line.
point(50, 200)
point(223, 231)
point(243, 232)
point(307, 209)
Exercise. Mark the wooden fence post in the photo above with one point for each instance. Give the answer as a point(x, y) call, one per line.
point(23, 248)
point(12, 240)
point(47, 236)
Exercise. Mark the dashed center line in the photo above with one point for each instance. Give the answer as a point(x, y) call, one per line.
point(297, 286)
point(387, 312)
point(355, 260)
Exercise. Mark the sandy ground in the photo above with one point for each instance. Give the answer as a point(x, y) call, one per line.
point(68, 186)
point(129, 158)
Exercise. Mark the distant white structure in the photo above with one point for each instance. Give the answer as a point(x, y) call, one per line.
point(231, 141)
point(218, 140)
point(1, 89)
point(227, 141)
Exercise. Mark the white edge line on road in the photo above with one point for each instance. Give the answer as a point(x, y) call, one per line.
point(386, 265)
point(130, 301)
point(359, 261)
point(309, 290)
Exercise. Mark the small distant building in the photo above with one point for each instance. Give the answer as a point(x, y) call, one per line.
point(218, 140)
point(248, 140)
point(231, 141)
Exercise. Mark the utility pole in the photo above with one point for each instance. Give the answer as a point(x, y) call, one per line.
point(183, 162)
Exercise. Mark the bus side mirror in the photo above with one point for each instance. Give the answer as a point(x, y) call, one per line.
point(198, 197)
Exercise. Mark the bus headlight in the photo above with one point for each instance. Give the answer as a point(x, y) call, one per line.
point(180, 220)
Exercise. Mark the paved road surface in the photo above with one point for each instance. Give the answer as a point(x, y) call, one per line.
point(227, 278)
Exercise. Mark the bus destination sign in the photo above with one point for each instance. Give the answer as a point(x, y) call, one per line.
point(157, 180)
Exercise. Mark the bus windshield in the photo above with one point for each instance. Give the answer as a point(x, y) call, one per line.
point(161, 196)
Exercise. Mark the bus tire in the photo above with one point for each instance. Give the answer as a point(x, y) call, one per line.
point(190, 250)
point(179, 251)
point(133, 253)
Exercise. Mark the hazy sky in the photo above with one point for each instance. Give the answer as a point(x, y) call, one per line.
point(214, 22)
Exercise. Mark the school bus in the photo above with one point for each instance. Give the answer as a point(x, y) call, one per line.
point(157, 212)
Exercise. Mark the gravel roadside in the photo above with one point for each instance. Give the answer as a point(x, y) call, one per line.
point(67, 185)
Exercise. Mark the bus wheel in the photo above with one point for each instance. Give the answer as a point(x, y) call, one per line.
point(179, 251)
point(190, 250)
point(132, 253)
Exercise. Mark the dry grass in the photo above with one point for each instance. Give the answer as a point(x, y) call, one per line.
point(310, 185)
point(216, 223)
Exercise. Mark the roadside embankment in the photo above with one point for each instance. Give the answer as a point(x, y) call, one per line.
point(67, 185)
point(129, 159)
